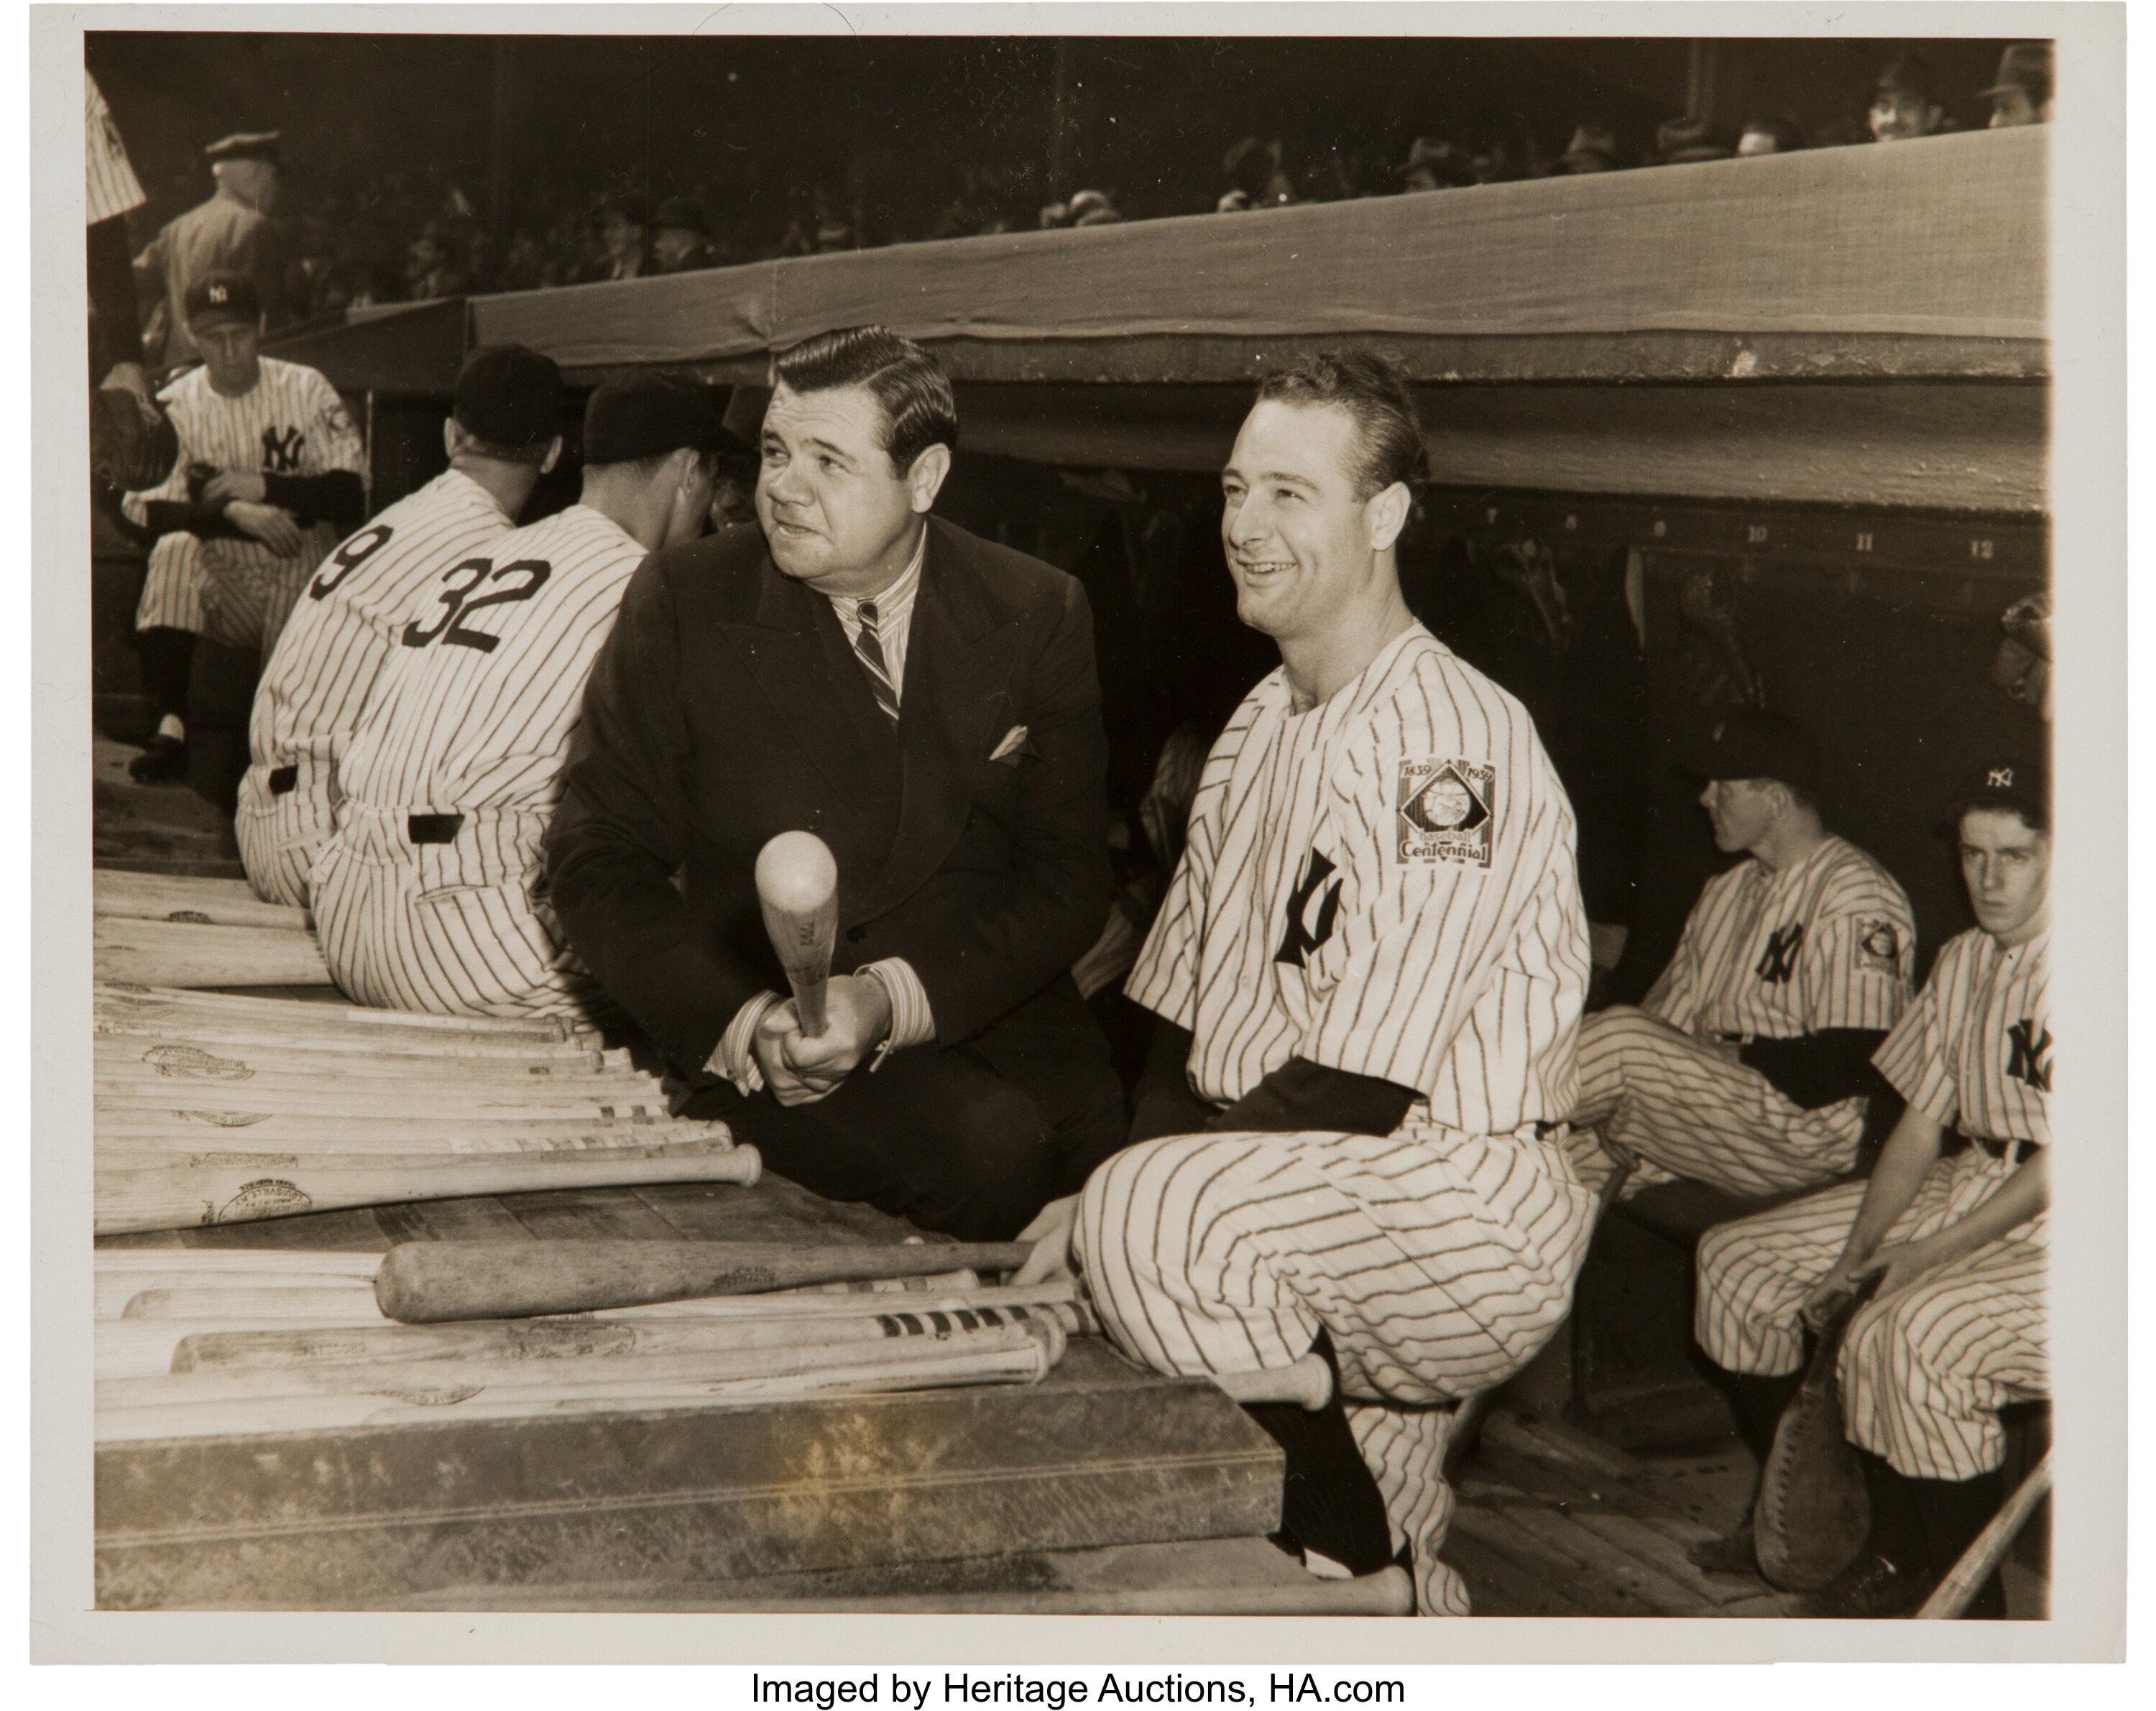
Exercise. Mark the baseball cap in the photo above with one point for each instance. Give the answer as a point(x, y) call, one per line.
point(218, 298)
point(246, 146)
point(510, 396)
point(650, 414)
point(2020, 783)
point(1745, 743)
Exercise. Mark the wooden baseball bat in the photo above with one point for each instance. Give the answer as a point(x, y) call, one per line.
point(797, 883)
point(1988, 1549)
point(110, 1292)
point(136, 998)
point(895, 1297)
point(185, 1131)
point(234, 1038)
point(137, 1349)
point(424, 1282)
point(586, 1337)
point(168, 953)
point(157, 896)
point(120, 1065)
point(1308, 1381)
point(110, 1261)
point(233, 1188)
point(424, 1098)
point(327, 1301)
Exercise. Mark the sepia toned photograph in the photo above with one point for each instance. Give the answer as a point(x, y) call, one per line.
point(1192, 824)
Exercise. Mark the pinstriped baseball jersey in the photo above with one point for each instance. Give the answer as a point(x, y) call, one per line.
point(473, 707)
point(340, 630)
point(109, 184)
point(291, 422)
point(1828, 943)
point(1384, 885)
point(1975, 1048)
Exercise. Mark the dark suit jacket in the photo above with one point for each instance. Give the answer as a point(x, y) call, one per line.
point(728, 706)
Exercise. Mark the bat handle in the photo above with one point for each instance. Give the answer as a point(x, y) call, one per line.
point(808, 1002)
point(1309, 1382)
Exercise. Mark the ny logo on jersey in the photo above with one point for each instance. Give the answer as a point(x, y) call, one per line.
point(2029, 1055)
point(1779, 960)
point(280, 449)
point(1302, 938)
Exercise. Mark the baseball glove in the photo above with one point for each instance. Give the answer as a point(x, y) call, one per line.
point(1812, 1511)
point(132, 444)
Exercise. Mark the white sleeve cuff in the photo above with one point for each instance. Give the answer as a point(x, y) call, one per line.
point(733, 1057)
point(912, 1023)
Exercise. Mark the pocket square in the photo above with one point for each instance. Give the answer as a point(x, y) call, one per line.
point(1014, 747)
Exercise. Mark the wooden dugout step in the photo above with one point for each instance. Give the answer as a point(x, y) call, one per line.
point(1097, 1454)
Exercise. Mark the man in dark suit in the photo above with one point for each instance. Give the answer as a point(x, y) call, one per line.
point(926, 703)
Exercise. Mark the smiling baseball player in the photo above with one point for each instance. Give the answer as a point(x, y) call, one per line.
point(268, 477)
point(1369, 971)
point(1956, 1326)
point(500, 438)
point(425, 894)
point(1748, 1065)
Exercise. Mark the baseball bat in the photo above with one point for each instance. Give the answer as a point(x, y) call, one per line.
point(235, 1037)
point(185, 1131)
point(110, 1261)
point(586, 1338)
point(168, 953)
point(110, 1294)
point(131, 998)
point(424, 1283)
point(327, 1301)
point(203, 902)
point(172, 1191)
point(1308, 1381)
point(421, 1099)
point(797, 883)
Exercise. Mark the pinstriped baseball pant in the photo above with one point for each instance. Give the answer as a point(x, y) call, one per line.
point(204, 587)
point(1439, 1263)
point(1924, 1373)
point(1686, 1111)
point(447, 928)
point(280, 835)
point(173, 590)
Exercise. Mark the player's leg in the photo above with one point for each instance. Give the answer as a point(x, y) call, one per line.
point(1052, 1050)
point(168, 618)
point(1754, 1275)
point(281, 834)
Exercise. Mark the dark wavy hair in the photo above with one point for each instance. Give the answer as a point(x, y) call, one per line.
point(1373, 389)
point(918, 409)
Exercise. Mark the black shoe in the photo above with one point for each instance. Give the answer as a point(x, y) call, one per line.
point(1870, 1588)
point(164, 761)
point(1734, 1552)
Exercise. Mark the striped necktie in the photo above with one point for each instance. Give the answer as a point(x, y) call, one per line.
point(870, 647)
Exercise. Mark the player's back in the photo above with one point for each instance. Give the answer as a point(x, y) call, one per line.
point(473, 707)
point(345, 625)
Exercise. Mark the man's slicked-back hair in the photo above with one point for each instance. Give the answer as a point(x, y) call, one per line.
point(918, 409)
point(1374, 390)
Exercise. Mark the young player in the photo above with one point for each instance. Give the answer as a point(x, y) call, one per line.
point(1369, 971)
point(1956, 1326)
point(500, 438)
point(425, 895)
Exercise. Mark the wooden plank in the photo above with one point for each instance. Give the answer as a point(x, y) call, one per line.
point(1097, 1454)
point(1498, 1585)
point(1636, 1587)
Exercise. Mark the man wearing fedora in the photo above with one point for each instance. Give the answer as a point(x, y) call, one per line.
point(2021, 94)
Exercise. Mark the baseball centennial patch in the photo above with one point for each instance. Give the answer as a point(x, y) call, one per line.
point(1447, 809)
point(1879, 945)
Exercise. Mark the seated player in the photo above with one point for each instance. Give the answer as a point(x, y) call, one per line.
point(1368, 972)
point(269, 478)
point(428, 895)
point(500, 438)
point(1955, 1327)
point(926, 703)
point(1749, 1065)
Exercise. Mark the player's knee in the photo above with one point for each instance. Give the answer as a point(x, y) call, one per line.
point(999, 1161)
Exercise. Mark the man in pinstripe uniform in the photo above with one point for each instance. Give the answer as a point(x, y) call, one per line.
point(427, 894)
point(500, 438)
point(1369, 972)
point(268, 477)
point(1956, 1326)
point(1748, 1066)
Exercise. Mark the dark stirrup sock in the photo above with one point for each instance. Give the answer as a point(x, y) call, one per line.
point(166, 657)
point(1760, 1398)
point(1897, 1528)
point(1952, 1512)
point(1330, 1502)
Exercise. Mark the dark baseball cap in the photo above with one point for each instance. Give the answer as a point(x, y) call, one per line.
point(510, 396)
point(246, 146)
point(2018, 783)
point(218, 298)
point(1745, 743)
point(650, 414)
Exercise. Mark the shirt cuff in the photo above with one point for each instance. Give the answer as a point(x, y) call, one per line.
point(912, 1023)
point(733, 1057)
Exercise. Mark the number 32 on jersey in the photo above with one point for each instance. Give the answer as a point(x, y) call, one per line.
point(516, 580)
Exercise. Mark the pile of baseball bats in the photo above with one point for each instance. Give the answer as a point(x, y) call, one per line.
point(213, 1108)
point(165, 931)
point(195, 1342)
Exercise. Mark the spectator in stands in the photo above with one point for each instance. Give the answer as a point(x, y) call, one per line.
point(430, 267)
point(1434, 164)
point(621, 235)
point(1593, 149)
point(2022, 666)
point(231, 233)
point(1254, 178)
point(1681, 142)
point(680, 236)
point(2022, 95)
point(1092, 208)
point(1905, 104)
point(1768, 136)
